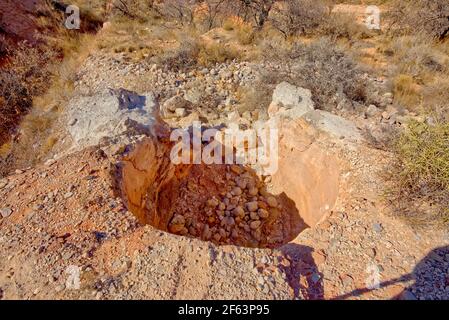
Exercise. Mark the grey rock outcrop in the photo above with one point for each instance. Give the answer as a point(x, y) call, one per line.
point(111, 114)
point(290, 101)
point(333, 125)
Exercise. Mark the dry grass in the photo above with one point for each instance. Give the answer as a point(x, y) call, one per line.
point(419, 71)
point(43, 82)
point(420, 16)
point(213, 53)
point(26, 75)
point(36, 129)
point(406, 91)
point(243, 31)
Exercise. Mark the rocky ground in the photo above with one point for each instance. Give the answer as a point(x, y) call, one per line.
point(70, 217)
point(67, 213)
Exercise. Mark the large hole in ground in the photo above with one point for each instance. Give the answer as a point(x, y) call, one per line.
point(228, 204)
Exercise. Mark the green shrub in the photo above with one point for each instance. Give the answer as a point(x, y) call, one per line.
point(421, 174)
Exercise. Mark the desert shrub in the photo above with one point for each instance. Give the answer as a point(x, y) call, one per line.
point(244, 32)
point(256, 11)
point(298, 17)
point(182, 11)
point(135, 9)
point(421, 173)
point(245, 35)
point(183, 57)
point(24, 76)
point(230, 24)
point(428, 16)
point(204, 14)
point(436, 95)
point(212, 53)
point(414, 55)
point(330, 73)
point(343, 25)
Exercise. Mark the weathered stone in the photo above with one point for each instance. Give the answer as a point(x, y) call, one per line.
point(213, 203)
point(169, 106)
point(236, 191)
point(318, 169)
point(252, 206)
point(254, 215)
point(371, 111)
point(5, 212)
point(253, 191)
point(239, 212)
point(113, 113)
point(333, 125)
point(255, 224)
point(263, 214)
point(290, 101)
point(272, 202)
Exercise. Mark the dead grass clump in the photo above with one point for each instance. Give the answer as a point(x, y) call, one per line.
point(419, 57)
point(421, 173)
point(213, 53)
point(420, 70)
point(183, 57)
point(244, 32)
point(343, 25)
point(137, 10)
point(406, 91)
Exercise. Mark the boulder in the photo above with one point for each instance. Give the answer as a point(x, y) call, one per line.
point(290, 101)
point(170, 106)
point(307, 174)
point(333, 125)
point(110, 114)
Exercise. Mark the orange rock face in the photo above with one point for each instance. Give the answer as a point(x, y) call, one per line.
point(307, 174)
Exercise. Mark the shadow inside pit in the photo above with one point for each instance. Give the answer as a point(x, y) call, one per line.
point(303, 275)
point(430, 276)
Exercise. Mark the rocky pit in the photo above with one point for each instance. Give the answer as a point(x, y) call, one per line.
point(230, 204)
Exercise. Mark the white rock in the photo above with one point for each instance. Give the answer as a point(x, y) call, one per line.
point(50, 162)
point(112, 113)
point(5, 212)
point(334, 125)
point(371, 111)
point(290, 101)
point(181, 112)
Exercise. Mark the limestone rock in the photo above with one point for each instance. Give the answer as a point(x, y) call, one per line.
point(290, 101)
point(172, 107)
point(112, 113)
point(334, 125)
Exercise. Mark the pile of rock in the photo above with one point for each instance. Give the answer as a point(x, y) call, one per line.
point(244, 214)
